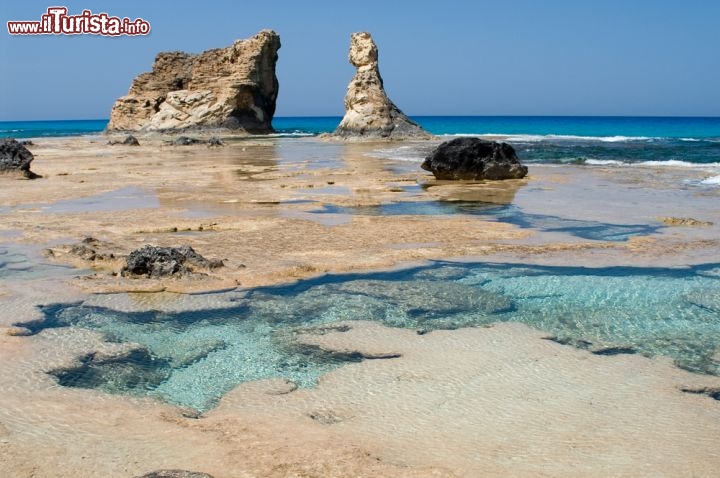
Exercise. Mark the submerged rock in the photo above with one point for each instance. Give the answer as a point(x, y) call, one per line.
point(707, 299)
point(474, 158)
point(15, 158)
point(369, 113)
point(233, 87)
point(190, 351)
point(157, 261)
point(134, 368)
point(431, 297)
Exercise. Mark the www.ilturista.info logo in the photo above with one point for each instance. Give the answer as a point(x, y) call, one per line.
point(57, 22)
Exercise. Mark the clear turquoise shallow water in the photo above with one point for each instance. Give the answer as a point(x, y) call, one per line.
point(193, 357)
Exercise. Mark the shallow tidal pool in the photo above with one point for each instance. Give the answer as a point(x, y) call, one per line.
point(191, 350)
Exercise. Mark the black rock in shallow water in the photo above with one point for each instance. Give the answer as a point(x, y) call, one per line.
point(157, 261)
point(15, 157)
point(474, 158)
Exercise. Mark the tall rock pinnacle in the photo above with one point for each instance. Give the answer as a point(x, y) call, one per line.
point(369, 113)
point(233, 87)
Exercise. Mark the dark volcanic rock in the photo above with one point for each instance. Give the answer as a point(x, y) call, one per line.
point(473, 158)
point(157, 261)
point(215, 141)
point(15, 157)
point(175, 474)
point(188, 141)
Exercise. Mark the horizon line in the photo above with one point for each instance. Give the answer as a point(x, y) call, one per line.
point(411, 116)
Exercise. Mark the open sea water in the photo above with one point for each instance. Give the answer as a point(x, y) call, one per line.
point(674, 141)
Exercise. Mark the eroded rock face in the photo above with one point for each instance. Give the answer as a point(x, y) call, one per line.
point(234, 88)
point(474, 158)
point(369, 113)
point(15, 158)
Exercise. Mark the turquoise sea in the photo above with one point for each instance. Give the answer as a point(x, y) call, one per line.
point(599, 127)
point(544, 139)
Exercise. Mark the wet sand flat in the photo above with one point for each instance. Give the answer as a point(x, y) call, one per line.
point(493, 401)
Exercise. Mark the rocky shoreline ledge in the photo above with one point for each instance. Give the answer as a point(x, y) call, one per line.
point(245, 204)
point(260, 205)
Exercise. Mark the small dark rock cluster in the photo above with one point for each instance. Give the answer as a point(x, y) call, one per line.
point(157, 261)
point(129, 140)
point(188, 141)
point(214, 142)
point(15, 158)
point(474, 158)
point(87, 249)
point(184, 141)
point(175, 474)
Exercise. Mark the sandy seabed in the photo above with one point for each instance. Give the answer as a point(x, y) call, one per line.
point(489, 401)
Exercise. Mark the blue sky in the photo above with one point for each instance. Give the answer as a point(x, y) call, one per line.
point(504, 57)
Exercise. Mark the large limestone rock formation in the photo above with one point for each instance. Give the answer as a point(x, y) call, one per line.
point(233, 87)
point(369, 113)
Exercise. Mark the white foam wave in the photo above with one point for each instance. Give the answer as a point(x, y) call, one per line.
point(294, 134)
point(711, 181)
point(604, 162)
point(671, 163)
point(533, 138)
point(676, 163)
